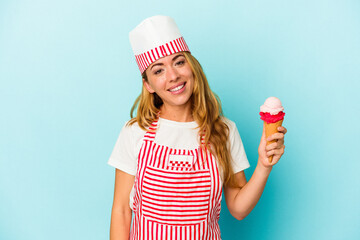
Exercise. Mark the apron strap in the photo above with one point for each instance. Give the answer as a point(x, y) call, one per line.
point(151, 132)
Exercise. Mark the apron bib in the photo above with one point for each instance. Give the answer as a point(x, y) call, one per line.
point(177, 193)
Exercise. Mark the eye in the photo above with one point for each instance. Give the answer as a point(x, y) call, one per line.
point(181, 62)
point(157, 71)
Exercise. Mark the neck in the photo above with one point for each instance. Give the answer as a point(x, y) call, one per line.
point(177, 113)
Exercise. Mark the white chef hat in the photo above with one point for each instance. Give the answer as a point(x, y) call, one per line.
point(154, 38)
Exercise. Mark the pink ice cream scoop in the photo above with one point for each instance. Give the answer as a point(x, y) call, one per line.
point(272, 110)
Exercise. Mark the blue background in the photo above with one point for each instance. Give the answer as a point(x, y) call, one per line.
point(68, 80)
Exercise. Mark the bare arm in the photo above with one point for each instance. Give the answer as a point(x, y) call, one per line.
point(242, 200)
point(121, 212)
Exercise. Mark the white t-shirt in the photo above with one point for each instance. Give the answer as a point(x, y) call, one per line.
point(178, 135)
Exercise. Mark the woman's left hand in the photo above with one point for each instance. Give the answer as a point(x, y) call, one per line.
point(276, 149)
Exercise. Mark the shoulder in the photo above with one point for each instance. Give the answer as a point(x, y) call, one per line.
point(131, 126)
point(234, 135)
point(131, 130)
point(229, 123)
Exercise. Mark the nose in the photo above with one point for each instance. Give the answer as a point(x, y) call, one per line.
point(172, 74)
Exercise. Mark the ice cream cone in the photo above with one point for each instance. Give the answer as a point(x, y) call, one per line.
point(272, 114)
point(270, 129)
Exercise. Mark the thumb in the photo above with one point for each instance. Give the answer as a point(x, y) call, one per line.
point(263, 133)
point(263, 138)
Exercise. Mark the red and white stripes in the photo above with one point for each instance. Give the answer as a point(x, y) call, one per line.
point(175, 201)
point(145, 59)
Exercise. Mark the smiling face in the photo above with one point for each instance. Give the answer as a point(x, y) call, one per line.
point(172, 79)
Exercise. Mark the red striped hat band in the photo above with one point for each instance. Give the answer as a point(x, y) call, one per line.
point(144, 60)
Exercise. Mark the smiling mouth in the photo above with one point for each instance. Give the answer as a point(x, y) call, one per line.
point(177, 88)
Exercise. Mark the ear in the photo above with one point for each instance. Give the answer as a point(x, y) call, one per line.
point(147, 86)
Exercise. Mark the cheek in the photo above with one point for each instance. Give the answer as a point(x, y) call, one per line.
point(158, 84)
point(192, 79)
point(189, 74)
point(193, 84)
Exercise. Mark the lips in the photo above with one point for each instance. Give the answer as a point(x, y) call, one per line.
point(177, 87)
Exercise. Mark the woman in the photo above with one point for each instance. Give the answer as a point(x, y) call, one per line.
point(174, 158)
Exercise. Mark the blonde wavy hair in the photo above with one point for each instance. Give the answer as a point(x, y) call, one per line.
point(206, 111)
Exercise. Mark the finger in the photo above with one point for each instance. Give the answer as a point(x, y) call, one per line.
point(282, 129)
point(275, 136)
point(281, 140)
point(276, 145)
point(275, 160)
point(275, 152)
point(263, 133)
point(276, 157)
point(263, 140)
point(272, 146)
point(266, 162)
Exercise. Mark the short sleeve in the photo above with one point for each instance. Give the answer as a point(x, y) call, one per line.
point(237, 151)
point(123, 156)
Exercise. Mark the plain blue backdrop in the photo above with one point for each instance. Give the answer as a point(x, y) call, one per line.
point(68, 80)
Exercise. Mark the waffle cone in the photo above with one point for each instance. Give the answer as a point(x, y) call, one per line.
point(270, 129)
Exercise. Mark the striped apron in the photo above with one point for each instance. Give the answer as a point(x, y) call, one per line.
point(177, 193)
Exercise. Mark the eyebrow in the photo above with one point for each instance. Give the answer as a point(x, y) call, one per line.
point(179, 55)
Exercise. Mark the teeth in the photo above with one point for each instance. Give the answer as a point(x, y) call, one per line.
point(177, 88)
